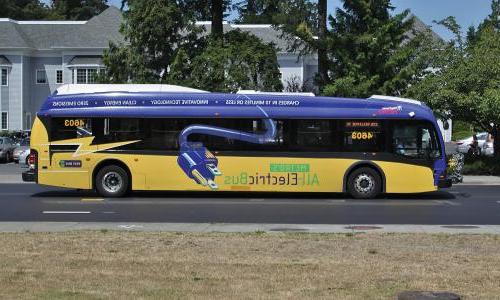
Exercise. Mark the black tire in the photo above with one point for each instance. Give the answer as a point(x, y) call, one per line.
point(364, 183)
point(112, 181)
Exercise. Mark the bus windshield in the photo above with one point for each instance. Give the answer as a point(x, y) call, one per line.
point(415, 140)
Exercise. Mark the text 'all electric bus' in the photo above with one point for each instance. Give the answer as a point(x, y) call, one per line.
point(118, 138)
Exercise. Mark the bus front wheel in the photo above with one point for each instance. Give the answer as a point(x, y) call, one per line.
point(112, 181)
point(364, 183)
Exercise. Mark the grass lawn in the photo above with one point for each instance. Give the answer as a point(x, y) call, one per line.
point(138, 265)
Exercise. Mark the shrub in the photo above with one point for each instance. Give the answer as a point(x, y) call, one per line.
point(482, 166)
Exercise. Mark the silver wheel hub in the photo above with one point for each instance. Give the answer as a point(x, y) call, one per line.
point(112, 182)
point(364, 183)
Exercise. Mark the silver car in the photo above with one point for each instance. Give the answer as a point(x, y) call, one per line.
point(22, 152)
point(463, 145)
point(6, 149)
point(487, 148)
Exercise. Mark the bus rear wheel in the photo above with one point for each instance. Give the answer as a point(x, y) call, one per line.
point(112, 181)
point(364, 183)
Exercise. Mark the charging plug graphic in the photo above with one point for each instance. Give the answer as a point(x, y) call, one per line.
point(199, 164)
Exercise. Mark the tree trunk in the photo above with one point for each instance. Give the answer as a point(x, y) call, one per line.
point(251, 9)
point(496, 141)
point(217, 18)
point(322, 52)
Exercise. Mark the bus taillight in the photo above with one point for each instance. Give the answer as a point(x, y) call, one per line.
point(32, 159)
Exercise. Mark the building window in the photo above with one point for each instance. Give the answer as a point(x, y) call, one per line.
point(4, 81)
point(41, 77)
point(59, 76)
point(91, 75)
point(5, 120)
point(85, 76)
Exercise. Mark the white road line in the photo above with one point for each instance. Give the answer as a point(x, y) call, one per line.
point(65, 212)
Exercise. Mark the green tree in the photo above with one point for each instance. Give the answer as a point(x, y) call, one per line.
point(242, 61)
point(256, 11)
point(24, 9)
point(290, 13)
point(78, 9)
point(217, 19)
point(202, 9)
point(298, 21)
point(155, 33)
point(466, 83)
point(164, 45)
point(370, 51)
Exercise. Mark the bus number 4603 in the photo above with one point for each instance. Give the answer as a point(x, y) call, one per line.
point(357, 135)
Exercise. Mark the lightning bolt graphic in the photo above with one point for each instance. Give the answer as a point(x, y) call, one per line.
point(85, 147)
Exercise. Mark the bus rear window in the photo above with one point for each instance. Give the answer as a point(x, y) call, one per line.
point(70, 128)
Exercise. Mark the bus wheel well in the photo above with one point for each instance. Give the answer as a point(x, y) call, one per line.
point(109, 162)
point(363, 164)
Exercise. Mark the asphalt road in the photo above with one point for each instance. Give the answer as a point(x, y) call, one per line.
point(478, 205)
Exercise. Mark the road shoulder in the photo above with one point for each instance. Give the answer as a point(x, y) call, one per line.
point(245, 228)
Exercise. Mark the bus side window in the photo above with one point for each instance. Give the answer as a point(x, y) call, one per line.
point(362, 135)
point(120, 130)
point(165, 133)
point(312, 135)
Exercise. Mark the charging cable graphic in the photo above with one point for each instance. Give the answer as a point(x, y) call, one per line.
point(199, 164)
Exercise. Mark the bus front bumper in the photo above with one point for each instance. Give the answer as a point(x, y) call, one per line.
point(29, 176)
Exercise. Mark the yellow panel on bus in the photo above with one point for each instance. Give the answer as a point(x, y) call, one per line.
point(276, 174)
point(75, 169)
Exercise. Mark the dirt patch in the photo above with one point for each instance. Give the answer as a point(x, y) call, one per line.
point(131, 265)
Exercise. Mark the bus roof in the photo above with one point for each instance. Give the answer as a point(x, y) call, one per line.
point(128, 102)
point(71, 89)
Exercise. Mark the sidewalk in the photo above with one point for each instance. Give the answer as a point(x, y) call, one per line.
point(245, 227)
point(480, 180)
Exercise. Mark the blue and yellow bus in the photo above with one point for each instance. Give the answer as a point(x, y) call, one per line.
point(121, 138)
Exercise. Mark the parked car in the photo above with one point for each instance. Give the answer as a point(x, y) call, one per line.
point(487, 148)
point(6, 149)
point(22, 152)
point(464, 145)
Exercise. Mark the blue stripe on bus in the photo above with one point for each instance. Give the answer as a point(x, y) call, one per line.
point(226, 105)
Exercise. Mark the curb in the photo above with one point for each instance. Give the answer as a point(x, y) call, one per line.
point(480, 180)
point(245, 228)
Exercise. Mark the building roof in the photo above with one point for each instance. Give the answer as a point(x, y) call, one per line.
point(266, 32)
point(46, 35)
point(420, 27)
point(86, 60)
point(97, 32)
point(4, 61)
